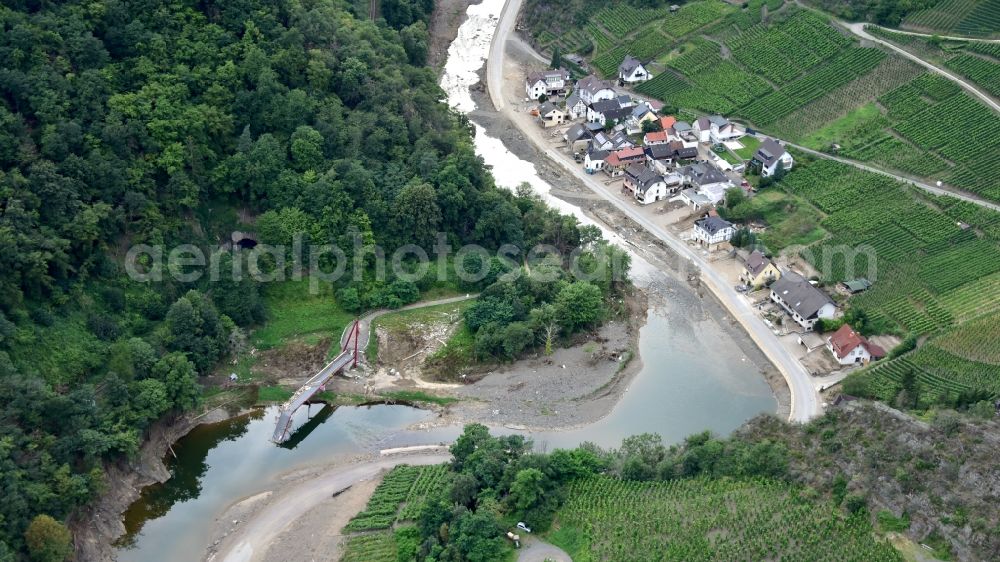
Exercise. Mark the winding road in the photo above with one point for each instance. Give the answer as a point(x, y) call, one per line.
point(365, 322)
point(859, 30)
point(929, 35)
point(805, 401)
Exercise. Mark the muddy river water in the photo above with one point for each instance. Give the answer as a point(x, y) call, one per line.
point(696, 375)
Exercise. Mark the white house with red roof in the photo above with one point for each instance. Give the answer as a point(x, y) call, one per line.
point(849, 347)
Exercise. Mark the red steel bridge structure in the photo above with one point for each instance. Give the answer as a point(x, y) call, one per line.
point(349, 352)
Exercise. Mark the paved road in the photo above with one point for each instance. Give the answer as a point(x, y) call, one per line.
point(252, 538)
point(805, 402)
point(859, 30)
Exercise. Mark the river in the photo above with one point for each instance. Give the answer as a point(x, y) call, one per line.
point(696, 375)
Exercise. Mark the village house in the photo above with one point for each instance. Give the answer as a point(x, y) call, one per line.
point(546, 83)
point(683, 130)
point(849, 347)
point(615, 141)
point(690, 196)
point(595, 160)
point(712, 231)
point(667, 122)
point(578, 137)
point(660, 157)
point(648, 186)
point(632, 71)
point(592, 89)
point(576, 108)
point(616, 162)
point(805, 303)
point(758, 270)
point(631, 177)
point(550, 116)
point(707, 179)
point(769, 155)
point(655, 138)
point(641, 113)
point(606, 111)
point(683, 150)
point(715, 129)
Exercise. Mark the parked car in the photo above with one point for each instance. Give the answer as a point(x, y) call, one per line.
point(523, 527)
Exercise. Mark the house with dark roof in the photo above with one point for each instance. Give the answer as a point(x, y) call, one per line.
point(595, 160)
point(849, 347)
point(712, 231)
point(683, 151)
point(707, 179)
point(576, 108)
point(577, 137)
point(769, 155)
point(805, 303)
point(605, 111)
point(758, 270)
point(550, 116)
point(632, 71)
point(546, 83)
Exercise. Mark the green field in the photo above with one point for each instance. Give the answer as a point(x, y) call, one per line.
point(295, 313)
point(609, 519)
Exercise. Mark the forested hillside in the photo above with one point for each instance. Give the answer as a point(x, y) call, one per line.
point(141, 121)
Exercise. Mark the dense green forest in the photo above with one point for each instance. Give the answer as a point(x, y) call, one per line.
point(836, 481)
point(160, 123)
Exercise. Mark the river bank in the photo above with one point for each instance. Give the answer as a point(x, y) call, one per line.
point(96, 528)
point(676, 275)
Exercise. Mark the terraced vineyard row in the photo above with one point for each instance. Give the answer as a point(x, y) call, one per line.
point(696, 519)
point(623, 19)
point(975, 341)
point(932, 113)
point(973, 18)
point(693, 16)
point(404, 484)
point(852, 63)
point(979, 70)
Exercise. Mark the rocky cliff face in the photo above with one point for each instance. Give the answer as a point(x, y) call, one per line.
point(944, 475)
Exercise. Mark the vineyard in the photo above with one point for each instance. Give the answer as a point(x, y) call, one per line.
point(404, 485)
point(940, 376)
point(979, 70)
point(700, 519)
point(693, 16)
point(398, 498)
point(782, 52)
point(853, 62)
point(924, 261)
point(975, 18)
